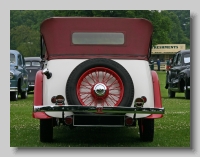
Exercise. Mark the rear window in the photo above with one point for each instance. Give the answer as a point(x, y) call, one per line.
point(97, 38)
point(12, 58)
point(28, 64)
point(187, 58)
point(36, 64)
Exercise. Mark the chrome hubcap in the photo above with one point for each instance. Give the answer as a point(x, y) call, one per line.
point(100, 89)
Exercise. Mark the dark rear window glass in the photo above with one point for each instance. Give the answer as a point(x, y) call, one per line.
point(36, 64)
point(187, 58)
point(28, 64)
point(12, 58)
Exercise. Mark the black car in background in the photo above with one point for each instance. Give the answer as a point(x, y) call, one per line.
point(33, 64)
point(178, 76)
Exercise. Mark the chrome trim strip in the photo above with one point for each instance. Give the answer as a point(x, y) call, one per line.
point(77, 108)
point(13, 89)
point(188, 87)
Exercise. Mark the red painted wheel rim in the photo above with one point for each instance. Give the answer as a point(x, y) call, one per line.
point(100, 79)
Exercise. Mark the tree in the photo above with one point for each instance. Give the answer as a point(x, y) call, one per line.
point(184, 18)
point(26, 40)
point(24, 30)
point(161, 24)
point(170, 27)
point(29, 18)
point(176, 33)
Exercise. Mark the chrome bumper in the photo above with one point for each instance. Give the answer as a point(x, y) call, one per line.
point(13, 89)
point(94, 109)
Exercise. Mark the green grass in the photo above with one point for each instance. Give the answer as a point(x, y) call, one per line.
point(173, 130)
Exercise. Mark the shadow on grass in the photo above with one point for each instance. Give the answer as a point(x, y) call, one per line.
point(179, 97)
point(31, 92)
point(97, 137)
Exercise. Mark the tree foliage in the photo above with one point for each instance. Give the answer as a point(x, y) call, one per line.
point(170, 27)
point(26, 40)
point(24, 30)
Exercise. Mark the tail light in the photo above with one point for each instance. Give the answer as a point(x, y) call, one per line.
point(53, 99)
point(58, 100)
point(139, 102)
point(144, 98)
point(68, 120)
point(129, 121)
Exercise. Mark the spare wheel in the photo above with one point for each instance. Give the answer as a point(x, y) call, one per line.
point(100, 82)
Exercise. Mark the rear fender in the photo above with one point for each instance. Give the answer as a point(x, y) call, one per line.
point(38, 96)
point(157, 95)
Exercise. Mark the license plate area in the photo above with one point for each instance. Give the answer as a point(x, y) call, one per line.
point(99, 120)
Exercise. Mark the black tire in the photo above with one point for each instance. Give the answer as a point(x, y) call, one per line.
point(171, 94)
point(46, 130)
point(71, 84)
point(24, 95)
point(146, 129)
point(167, 81)
point(187, 93)
point(14, 96)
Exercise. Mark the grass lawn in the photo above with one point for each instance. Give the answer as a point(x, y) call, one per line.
point(173, 130)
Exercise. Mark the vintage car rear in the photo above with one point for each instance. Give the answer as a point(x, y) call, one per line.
point(96, 74)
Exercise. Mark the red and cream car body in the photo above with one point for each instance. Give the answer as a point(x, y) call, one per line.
point(96, 73)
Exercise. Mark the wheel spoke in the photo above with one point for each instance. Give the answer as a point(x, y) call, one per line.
point(109, 78)
point(116, 95)
point(83, 93)
point(86, 97)
point(92, 77)
point(104, 75)
point(91, 102)
point(86, 81)
point(97, 75)
point(111, 98)
point(116, 88)
point(107, 103)
point(115, 82)
point(84, 86)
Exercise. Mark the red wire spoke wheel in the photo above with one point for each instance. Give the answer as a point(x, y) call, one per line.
point(100, 86)
point(100, 82)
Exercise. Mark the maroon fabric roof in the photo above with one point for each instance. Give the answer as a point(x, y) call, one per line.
point(57, 35)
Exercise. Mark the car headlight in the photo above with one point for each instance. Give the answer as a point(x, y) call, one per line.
point(11, 75)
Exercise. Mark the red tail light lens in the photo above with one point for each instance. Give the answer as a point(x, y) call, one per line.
point(53, 99)
point(144, 98)
point(68, 120)
point(129, 121)
point(58, 100)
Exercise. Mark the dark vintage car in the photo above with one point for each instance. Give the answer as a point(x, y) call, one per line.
point(33, 64)
point(178, 76)
point(18, 76)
